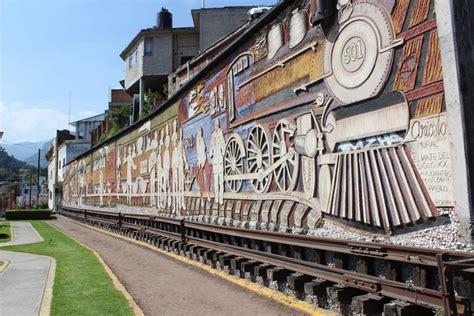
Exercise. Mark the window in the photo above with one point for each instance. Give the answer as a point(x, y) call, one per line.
point(64, 162)
point(148, 45)
point(132, 59)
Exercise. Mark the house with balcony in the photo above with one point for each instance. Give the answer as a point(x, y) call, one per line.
point(154, 53)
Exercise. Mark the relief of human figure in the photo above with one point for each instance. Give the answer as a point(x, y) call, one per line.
point(221, 96)
point(118, 173)
point(130, 166)
point(159, 170)
point(103, 154)
point(152, 160)
point(166, 170)
point(217, 157)
point(182, 165)
point(101, 187)
point(174, 168)
point(81, 185)
point(202, 165)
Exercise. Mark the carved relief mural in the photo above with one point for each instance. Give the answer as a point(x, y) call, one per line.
point(301, 123)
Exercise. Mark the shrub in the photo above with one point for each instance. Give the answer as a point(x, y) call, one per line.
point(27, 214)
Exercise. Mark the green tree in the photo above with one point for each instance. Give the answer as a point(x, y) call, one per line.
point(119, 118)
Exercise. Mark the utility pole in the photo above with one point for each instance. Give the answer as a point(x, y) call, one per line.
point(31, 175)
point(38, 185)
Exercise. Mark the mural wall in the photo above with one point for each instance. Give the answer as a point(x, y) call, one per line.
point(341, 118)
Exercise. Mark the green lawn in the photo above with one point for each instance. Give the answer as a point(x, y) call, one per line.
point(81, 285)
point(5, 232)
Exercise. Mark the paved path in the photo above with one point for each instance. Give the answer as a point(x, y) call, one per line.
point(23, 233)
point(25, 279)
point(23, 282)
point(163, 286)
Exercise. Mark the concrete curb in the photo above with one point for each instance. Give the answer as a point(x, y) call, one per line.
point(48, 290)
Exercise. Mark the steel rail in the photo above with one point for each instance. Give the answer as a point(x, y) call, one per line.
point(397, 290)
point(422, 256)
point(390, 288)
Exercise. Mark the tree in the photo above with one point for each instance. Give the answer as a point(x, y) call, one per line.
point(119, 118)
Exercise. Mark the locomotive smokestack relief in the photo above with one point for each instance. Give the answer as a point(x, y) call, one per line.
point(322, 9)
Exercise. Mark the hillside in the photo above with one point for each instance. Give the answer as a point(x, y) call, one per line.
point(28, 152)
point(22, 151)
point(10, 167)
point(33, 158)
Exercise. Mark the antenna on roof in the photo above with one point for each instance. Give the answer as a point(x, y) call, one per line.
point(69, 115)
point(203, 4)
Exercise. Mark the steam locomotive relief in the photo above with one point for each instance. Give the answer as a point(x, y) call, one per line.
point(339, 118)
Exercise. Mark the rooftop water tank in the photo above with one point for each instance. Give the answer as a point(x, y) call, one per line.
point(164, 19)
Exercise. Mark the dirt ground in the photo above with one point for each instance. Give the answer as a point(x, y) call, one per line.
point(163, 286)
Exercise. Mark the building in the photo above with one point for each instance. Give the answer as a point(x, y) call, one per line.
point(85, 127)
point(216, 23)
point(66, 153)
point(29, 197)
point(53, 165)
point(119, 98)
point(65, 147)
point(52, 171)
point(156, 52)
point(117, 116)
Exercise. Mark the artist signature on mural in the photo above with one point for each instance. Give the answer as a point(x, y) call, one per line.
point(428, 128)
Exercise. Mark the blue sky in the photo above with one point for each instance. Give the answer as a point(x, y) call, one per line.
point(51, 47)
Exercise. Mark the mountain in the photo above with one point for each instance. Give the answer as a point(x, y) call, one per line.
point(28, 152)
point(10, 167)
point(23, 150)
point(33, 159)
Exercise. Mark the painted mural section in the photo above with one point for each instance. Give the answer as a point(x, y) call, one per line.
point(341, 119)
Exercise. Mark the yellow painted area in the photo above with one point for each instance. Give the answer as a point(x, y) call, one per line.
point(274, 81)
point(258, 289)
point(45, 309)
point(4, 264)
point(317, 69)
point(118, 285)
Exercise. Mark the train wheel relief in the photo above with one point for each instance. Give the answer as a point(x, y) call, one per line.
point(259, 158)
point(285, 158)
point(233, 163)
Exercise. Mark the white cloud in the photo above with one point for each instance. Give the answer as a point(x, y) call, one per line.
point(22, 123)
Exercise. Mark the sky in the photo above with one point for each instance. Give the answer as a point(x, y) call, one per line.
point(53, 49)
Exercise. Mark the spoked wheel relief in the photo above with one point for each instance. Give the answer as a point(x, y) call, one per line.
point(259, 157)
point(233, 163)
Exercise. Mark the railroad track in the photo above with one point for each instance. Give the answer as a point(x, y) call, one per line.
point(363, 278)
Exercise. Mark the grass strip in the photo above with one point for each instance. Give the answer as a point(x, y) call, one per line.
point(81, 284)
point(5, 232)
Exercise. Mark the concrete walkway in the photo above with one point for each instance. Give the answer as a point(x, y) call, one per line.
point(26, 283)
point(23, 233)
point(23, 283)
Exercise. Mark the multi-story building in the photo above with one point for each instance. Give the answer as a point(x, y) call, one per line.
point(156, 52)
point(117, 116)
point(65, 147)
point(85, 127)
